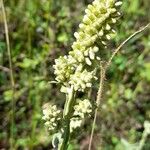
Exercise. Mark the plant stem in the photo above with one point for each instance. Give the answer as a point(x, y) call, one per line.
point(68, 111)
point(99, 97)
point(11, 74)
point(124, 43)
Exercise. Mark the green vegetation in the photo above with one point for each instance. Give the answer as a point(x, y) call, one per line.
point(41, 31)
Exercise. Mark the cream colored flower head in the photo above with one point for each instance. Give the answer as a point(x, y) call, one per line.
point(97, 26)
point(51, 116)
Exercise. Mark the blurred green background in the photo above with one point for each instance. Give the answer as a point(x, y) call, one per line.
point(42, 30)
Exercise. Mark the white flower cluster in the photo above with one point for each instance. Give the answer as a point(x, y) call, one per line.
point(82, 109)
point(64, 67)
point(100, 16)
point(97, 23)
point(81, 79)
point(51, 116)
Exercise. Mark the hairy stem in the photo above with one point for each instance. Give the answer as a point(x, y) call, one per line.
point(124, 43)
point(99, 97)
point(68, 110)
point(11, 74)
point(102, 77)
